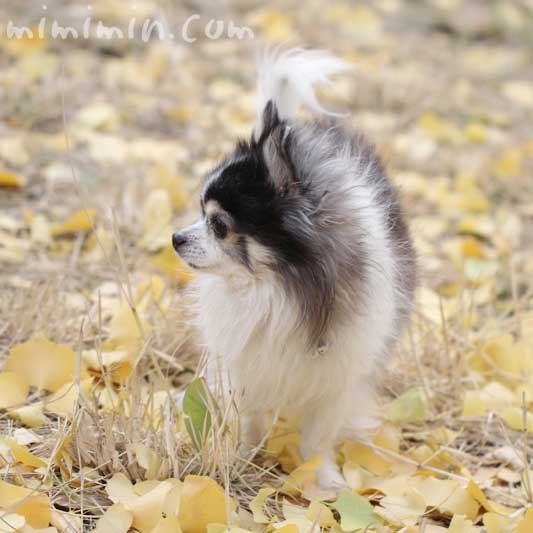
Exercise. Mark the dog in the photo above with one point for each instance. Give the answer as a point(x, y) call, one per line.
point(305, 267)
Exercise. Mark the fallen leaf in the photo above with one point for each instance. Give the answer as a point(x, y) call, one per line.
point(120, 490)
point(196, 407)
point(355, 512)
point(409, 407)
point(127, 328)
point(10, 179)
point(303, 476)
point(147, 509)
point(42, 363)
point(459, 524)
point(80, 221)
point(256, 505)
point(403, 510)
point(11, 522)
point(13, 389)
point(489, 505)
point(446, 495)
point(34, 506)
point(30, 415)
point(22, 455)
point(526, 524)
point(116, 519)
point(496, 523)
point(168, 262)
point(170, 524)
point(147, 459)
point(284, 446)
point(515, 418)
point(319, 513)
point(357, 453)
point(65, 400)
point(202, 502)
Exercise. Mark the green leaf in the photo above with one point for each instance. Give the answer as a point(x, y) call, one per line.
point(196, 410)
point(409, 407)
point(355, 512)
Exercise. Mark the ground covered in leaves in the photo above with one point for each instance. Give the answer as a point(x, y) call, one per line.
point(103, 144)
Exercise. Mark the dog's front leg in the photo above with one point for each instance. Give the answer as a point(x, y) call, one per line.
point(320, 430)
point(252, 431)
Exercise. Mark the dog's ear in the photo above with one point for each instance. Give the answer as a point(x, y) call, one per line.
point(277, 158)
point(273, 141)
point(268, 120)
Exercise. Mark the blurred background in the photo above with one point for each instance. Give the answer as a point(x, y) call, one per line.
point(444, 88)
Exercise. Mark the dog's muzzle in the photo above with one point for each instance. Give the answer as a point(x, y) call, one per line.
point(178, 239)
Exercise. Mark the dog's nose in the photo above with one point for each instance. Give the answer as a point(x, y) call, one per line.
point(178, 239)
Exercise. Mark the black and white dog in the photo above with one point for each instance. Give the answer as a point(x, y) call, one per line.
point(305, 267)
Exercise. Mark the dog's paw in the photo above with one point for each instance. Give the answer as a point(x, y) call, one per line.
point(330, 477)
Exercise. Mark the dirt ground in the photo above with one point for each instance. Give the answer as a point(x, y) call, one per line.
point(103, 146)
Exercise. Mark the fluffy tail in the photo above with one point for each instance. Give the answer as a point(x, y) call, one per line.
point(288, 79)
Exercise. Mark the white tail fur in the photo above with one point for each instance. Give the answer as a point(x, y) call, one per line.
point(288, 78)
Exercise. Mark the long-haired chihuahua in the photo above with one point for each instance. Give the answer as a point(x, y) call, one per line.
point(305, 266)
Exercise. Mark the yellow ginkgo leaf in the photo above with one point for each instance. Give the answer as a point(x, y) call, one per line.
point(256, 505)
point(303, 476)
point(80, 221)
point(42, 363)
point(30, 415)
point(149, 290)
point(169, 524)
point(353, 474)
point(482, 499)
point(363, 455)
point(202, 502)
point(116, 364)
point(156, 499)
point(120, 490)
point(12, 522)
point(402, 510)
point(32, 505)
point(526, 524)
point(284, 446)
point(446, 495)
point(459, 524)
point(283, 527)
point(168, 262)
point(319, 514)
point(514, 418)
point(64, 401)
point(11, 179)
point(147, 459)
point(116, 519)
point(148, 509)
point(496, 523)
point(22, 455)
point(13, 389)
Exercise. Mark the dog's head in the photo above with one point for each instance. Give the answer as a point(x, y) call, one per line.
point(253, 211)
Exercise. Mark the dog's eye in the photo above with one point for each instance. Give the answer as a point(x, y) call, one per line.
point(219, 228)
